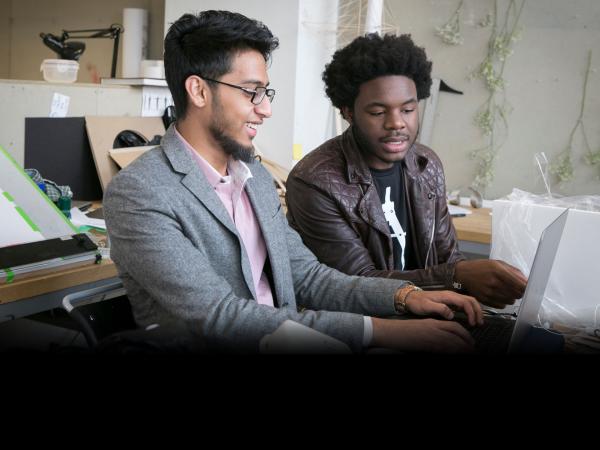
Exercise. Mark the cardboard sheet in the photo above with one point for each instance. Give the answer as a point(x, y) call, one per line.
point(125, 156)
point(102, 131)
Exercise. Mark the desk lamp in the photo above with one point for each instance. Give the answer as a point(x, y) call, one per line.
point(73, 50)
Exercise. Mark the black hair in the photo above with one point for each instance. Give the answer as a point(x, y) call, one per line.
point(371, 56)
point(205, 43)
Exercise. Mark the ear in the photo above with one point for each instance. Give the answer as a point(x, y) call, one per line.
point(347, 114)
point(198, 91)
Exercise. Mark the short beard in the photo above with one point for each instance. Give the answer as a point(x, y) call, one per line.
point(229, 145)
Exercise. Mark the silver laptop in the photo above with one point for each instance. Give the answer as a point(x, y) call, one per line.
point(497, 331)
point(538, 280)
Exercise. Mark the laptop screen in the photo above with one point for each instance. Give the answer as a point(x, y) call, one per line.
point(538, 279)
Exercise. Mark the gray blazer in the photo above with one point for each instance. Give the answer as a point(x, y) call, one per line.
point(182, 260)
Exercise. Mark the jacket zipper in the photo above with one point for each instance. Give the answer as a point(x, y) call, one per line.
point(430, 196)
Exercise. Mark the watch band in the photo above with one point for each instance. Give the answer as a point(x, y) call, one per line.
point(401, 296)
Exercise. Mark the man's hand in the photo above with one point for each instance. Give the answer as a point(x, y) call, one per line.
point(424, 335)
point(423, 303)
point(493, 282)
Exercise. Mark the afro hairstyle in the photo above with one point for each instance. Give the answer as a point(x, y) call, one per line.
point(372, 56)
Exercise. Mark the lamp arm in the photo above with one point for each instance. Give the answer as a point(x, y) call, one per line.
point(113, 67)
point(113, 32)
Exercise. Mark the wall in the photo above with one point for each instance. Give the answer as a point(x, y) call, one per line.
point(313, 114)
point(26, 19)
point(33, 99)
point(5, 9)
point(545, 77)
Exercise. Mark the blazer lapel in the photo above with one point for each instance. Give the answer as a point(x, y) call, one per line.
point(262, 214)
point(256, 191)
point(203, 191)
point(198, 186)
point(194, 180)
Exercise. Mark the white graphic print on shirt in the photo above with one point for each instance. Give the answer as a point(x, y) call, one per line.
point(390, 215)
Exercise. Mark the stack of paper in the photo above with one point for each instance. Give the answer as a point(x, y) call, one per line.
point(457, 211)
point(79, 219)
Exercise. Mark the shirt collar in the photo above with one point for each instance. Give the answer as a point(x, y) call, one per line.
point(238, 171)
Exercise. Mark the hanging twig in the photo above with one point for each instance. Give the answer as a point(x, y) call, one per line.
point(563, 164)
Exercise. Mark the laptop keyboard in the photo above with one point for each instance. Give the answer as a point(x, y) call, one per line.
point(493, 336)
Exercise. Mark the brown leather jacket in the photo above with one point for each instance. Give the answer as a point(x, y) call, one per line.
point(333, 204)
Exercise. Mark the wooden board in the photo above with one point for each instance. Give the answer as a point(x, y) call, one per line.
point(62, 279)
point(102, 132)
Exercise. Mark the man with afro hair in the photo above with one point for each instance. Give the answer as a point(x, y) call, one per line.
point(372, 201)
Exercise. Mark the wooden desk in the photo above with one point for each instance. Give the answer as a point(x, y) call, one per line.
point(474, 231)
point(41, 293)
point(476, 227)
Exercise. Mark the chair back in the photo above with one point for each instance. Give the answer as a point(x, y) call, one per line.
point(100, 312)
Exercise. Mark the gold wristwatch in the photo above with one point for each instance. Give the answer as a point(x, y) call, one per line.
point(401, 296)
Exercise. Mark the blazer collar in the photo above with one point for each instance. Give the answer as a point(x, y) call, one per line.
point(176, 152)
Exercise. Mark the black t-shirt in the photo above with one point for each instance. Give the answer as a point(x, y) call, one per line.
point(390, 187)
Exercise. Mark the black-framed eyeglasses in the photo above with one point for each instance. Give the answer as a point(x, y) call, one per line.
point(257, 94)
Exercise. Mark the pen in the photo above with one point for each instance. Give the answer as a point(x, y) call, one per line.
point(459, 215)
point(85, 207)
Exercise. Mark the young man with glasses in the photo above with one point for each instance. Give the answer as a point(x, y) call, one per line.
point(198, 234)
point(372, 201)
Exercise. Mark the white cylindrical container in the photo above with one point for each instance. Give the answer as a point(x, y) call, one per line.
point(135, 41)
point(374, 16)
point(152, 68)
